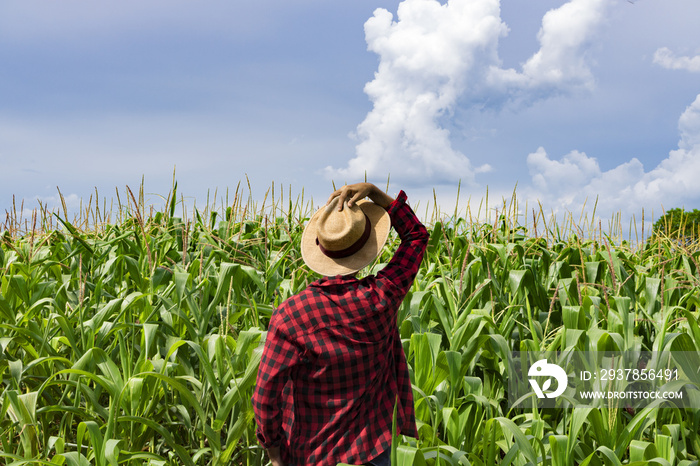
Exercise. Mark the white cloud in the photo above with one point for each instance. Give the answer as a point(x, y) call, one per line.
point(436, 54)
point(689, 127)
point(667, 59)
point(675, 179)
point(427, 58)
point(561, 62)
point(566, 175)
point(575, 179)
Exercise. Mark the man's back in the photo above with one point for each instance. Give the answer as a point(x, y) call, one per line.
point(333, 366)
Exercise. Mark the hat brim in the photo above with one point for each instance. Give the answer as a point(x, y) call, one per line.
point(317, 261)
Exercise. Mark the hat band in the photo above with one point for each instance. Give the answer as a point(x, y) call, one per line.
point(353, 248)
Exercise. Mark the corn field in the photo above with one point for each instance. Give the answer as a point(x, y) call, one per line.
point(134, 338)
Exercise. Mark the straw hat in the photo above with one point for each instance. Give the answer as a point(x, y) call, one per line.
point(342, 242)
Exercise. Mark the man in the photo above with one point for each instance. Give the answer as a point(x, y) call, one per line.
point(333, 367)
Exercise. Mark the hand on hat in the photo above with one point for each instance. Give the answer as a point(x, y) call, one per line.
point(359, 191)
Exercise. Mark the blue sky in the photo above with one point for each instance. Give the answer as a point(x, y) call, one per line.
point(568, 100)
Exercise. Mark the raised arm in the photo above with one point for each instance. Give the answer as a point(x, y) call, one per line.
point(357, 191)
point(403, 267)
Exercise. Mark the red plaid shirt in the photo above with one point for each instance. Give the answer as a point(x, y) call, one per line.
point(333, 365)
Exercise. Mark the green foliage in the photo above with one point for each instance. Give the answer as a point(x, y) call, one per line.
point(680, 225)
point(140, 343)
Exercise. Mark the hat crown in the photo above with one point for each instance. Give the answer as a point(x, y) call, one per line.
point(337, 244)
point(338, 230)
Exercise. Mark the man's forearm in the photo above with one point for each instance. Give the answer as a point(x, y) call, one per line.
point(275, 456)
point(379, 197)
point(355, 192)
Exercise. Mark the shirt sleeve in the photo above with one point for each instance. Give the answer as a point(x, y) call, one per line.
point(278, 358)
point(403, 267)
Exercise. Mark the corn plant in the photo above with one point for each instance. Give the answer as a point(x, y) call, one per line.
point(134, 337)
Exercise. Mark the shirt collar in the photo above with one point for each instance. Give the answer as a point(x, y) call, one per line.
point(335, 280)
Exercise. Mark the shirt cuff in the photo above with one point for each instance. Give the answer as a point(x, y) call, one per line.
point(265, 443)
point(398, 202)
